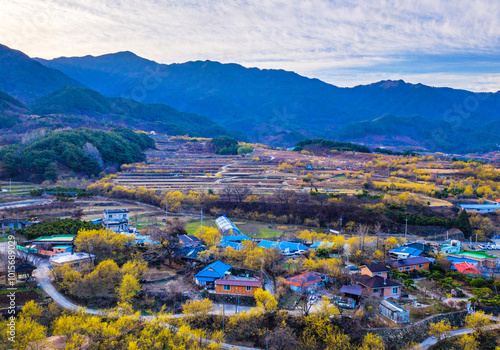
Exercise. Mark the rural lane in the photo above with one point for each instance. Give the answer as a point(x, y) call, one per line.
point(427, 343)
point(42, 275)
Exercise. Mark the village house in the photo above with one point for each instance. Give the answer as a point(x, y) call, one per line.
point(234, 242)
point(212, 272)
point(467, 269)
point(15, 224)
point(306, 281)
point(379, 286)
point(286, 248)
point(480, 208)
point(77, 261)
point(188, 240)
point(23, 272)
point(483, 259)
point(454, 246)
point(405, 252)
point(375, 270)
point(237, 285)
point(53, 245)
point(117, 220)
point(411, 264)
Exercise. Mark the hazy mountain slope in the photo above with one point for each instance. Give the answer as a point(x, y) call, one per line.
point(248, 99)
point(420, 133)
point(278, 106)
point(121, 111)
point(10, 104)
point(27, 79)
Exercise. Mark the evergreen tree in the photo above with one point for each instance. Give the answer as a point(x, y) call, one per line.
point(463, 224)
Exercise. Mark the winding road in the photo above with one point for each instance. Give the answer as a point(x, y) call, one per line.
point(42, 275)
point(427, 343)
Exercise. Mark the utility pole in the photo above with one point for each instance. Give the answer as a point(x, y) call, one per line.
point(341, 225)
point(223, 323)
point(166, 212)
point(406, 226)
point(201, 221)
point(10, 185)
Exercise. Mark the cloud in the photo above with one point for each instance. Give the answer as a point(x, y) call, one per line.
point(315, 37)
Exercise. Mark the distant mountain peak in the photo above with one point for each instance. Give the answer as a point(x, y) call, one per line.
point(386, 84)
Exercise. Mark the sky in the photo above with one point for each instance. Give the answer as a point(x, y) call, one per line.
point(452, 43)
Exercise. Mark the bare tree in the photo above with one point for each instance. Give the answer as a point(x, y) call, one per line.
point(306, 301)
point(77, 214)
point(167, 241)
point(362, 231)
point(227, 191)
point(241, 193)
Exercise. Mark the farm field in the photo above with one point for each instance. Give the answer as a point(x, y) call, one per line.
point(15, 190)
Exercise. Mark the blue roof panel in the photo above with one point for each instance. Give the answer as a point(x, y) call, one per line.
point(215, 270)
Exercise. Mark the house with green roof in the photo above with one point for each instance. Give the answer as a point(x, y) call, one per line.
point(483, 259)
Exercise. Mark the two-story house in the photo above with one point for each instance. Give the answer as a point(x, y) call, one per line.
point(375, 269)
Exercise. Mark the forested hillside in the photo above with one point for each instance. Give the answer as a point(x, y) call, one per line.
point(45, 155)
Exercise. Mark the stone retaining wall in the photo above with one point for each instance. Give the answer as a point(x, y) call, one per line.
point(398, 338)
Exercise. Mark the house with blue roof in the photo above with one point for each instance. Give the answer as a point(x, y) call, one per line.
point(212, 272)
point(405, 252)
point(458, 260)
point(234, 245)
point(238, 238)
point(234, 242)
point(285, 247)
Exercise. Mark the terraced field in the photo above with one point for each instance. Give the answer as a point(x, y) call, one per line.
point(176, 166)
point(16, 190)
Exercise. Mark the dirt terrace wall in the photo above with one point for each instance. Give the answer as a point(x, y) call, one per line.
point(398, 338)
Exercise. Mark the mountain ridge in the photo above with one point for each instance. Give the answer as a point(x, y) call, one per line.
point(281, 107)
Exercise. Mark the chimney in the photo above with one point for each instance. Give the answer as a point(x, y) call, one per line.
point(385, 281)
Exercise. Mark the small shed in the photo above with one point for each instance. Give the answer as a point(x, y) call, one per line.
point(394, 312)
point(354, 292)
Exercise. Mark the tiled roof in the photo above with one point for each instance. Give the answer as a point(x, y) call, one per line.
point(305, 279)
point(409, 261)
point(377, 268)
point(376, 281)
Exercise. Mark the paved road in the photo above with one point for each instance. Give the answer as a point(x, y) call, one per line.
point(427, 343)
point(42, 275)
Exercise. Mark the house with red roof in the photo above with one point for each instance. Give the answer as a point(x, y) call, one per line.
point(308, 280)
point(237, 285)
point(468, 269)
